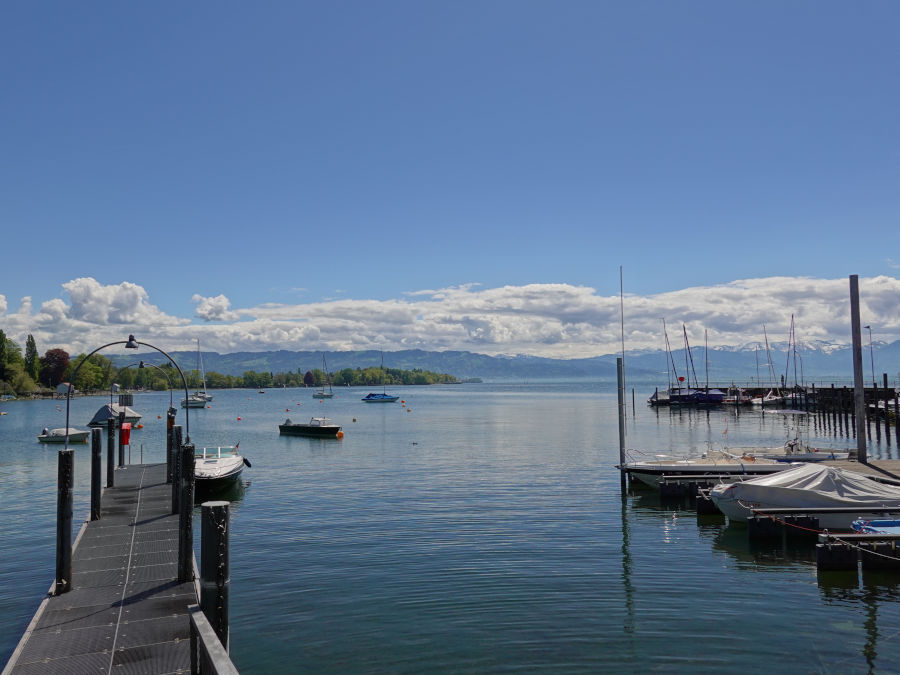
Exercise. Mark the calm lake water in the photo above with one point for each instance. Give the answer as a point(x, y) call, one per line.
point(473, 529)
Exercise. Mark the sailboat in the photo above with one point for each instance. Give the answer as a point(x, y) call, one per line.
point(383, 397)
point(198, 399)
point(320, 392)
point(202, 393)
point(774, 397)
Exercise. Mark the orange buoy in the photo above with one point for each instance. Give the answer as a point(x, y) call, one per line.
point(239, 419)
point(340, 434)
point(159, 417)
point(140, 426)
point(408, 410)
point(287, 410)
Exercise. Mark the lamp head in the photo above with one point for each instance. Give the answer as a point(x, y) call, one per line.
point(132, 343)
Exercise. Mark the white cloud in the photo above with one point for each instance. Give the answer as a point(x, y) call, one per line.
point(214, 309)
point(125, 303)
point(2, 305)
point(556, 320)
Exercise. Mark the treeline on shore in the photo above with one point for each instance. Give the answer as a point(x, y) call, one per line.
point(25, 373)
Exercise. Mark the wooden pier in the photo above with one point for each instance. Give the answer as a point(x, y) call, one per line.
point(127, 612)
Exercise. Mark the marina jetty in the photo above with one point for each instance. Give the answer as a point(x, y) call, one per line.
point(128, 596)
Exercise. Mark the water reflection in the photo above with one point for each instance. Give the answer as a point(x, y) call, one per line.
point(232, 492)
point(870, 591)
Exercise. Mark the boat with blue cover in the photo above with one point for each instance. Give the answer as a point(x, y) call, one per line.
point(876, 526)
point(383, 397)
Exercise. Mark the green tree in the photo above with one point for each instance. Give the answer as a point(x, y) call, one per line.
point(32, 360)
point(3, 350)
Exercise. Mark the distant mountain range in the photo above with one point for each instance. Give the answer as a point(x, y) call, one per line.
point(817, 363)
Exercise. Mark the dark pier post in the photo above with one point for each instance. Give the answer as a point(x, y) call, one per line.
point(110, 452)
point(121, 439)
point(215, 572)
point(620, 369)
point(834, 409)
point(186, 519)
point(874, 414)
point(859, 392)
point(96, 471)
point(886, 409)
point(897, 416)
point(176, 469)
point(65, 482)
point(846, 411)
point(170, 424)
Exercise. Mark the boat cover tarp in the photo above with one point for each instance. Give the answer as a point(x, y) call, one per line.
point(112, 410)
point(812, 486)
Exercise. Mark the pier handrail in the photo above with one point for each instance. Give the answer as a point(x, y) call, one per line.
point(207, 653)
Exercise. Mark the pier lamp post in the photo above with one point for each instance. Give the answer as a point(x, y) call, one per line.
point(871, 355)
point(130, 343)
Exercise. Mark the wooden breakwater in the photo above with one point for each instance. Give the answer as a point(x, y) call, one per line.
point(127, 595)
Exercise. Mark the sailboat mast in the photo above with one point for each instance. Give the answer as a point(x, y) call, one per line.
point(668, 357)
point(706, 356)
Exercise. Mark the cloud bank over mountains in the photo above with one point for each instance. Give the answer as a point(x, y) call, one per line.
point(550, 320)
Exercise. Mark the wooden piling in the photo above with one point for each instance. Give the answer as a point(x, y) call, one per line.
point(110, 452)
point(65, 482)
point(186, 520)
point(96, 472)
point(215, 572)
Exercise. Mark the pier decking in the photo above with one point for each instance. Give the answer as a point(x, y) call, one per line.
point(126, 612)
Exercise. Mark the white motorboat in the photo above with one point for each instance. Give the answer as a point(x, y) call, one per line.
point(59, 435)
point(711, 462)
point(847, 495)
point(216, 467)
point(793, 450)
point(770, 399)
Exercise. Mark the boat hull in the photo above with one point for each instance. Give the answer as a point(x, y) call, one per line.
point(212, 471)
point(380, 398)
point(652, 474)
point(309, 430)
point(56, 437)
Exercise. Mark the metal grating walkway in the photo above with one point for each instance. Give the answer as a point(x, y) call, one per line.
point(126, 612)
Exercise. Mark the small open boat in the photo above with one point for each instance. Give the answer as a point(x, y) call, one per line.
point(320, 427)
point(216, 467)
point(59, 435)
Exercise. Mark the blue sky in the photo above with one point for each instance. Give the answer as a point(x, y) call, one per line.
point(244, 172)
